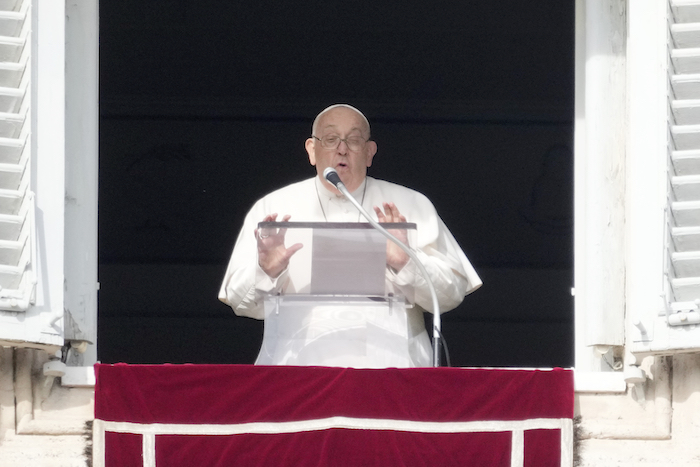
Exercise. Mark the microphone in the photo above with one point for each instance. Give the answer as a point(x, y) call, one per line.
point(332, 176)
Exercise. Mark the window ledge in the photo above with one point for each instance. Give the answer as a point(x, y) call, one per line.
point(584, 382)
point(79, 377)
point(597, 382)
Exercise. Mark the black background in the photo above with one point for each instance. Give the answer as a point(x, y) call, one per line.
point(205, 106)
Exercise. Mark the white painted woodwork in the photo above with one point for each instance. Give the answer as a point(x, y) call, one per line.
point(82, 149)
point(663, 222)
point(684, 166)
point(17, 229)
point(32, 179)
point(599, 148)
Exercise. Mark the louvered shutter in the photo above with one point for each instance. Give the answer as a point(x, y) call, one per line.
point(32, 173)
point(674, 327)
point(17, 233)
point(684, 167)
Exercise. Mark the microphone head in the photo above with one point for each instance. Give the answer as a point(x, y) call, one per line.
point(332, 176)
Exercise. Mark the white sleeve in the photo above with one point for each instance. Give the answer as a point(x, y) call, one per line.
point(245, 285)
point(245, 288)
point(448, 268)
point(450, 285)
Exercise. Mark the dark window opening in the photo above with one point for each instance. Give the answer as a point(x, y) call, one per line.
point(205, 107)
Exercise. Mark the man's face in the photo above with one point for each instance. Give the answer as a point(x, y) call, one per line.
point(350, 165)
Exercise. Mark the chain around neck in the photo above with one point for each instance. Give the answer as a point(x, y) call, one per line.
point(320, 203)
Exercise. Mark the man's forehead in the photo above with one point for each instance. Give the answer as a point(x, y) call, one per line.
point(333, 126)
point(327, 118)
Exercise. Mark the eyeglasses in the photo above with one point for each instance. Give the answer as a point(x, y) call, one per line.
point(354, 143)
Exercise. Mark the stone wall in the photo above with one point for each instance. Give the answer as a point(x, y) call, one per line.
point(655, 425)
point(41, 422)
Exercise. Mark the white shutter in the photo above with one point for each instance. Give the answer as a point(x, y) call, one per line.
point(17, 234)
point(663, 204)
point(683, 292)
point(664, 318)
point(32, 173)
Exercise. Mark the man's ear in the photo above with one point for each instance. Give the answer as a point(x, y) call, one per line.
point(310, 150)
point(371, 151)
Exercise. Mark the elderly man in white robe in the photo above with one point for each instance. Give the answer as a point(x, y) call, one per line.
point(261, 266)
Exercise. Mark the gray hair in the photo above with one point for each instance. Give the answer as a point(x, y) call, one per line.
point(334, 106)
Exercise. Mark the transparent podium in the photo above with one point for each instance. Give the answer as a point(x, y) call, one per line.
point(336, 306)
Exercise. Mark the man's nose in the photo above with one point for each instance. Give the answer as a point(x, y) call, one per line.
point(343, 147)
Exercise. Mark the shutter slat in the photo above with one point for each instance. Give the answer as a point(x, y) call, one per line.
point(685, 213)
point(686, 162)
point(11, 151)
point(686, 112)
point(11, 23)
point(686, 238)
point(11, 125)
point(686, 60)
point(11, 252)
point(11, 49)
point(10, 226)
point(686, 288)
point(685, 137)
point(685, 11)
point(685, 35)
point(10, 5)
point(11, 99)
point(686, 263)
point(686, 187)
point(685, 86)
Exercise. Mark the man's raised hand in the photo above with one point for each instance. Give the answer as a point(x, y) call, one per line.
point(396, 258)
point(273, 255)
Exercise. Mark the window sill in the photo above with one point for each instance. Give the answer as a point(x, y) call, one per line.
point(79, 377)
point(597, 382)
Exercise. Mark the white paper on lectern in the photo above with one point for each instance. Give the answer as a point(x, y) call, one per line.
point(337, 261)
point(348, 262)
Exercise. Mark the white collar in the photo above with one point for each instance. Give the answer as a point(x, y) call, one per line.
point(326, 193)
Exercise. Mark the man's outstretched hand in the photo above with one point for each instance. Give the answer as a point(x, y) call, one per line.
point(273, 255)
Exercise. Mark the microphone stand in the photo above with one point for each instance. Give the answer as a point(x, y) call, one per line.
point(436, 307)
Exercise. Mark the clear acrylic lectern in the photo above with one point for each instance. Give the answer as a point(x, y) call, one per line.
point(335, 305)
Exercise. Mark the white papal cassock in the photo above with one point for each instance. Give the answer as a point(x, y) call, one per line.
point(245, 286)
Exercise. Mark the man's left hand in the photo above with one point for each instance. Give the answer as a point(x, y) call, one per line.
point(396, 258)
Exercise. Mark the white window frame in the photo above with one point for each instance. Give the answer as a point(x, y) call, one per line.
point(82, 175)
point(618, 245)
point(637, 141)
point(599, 148)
